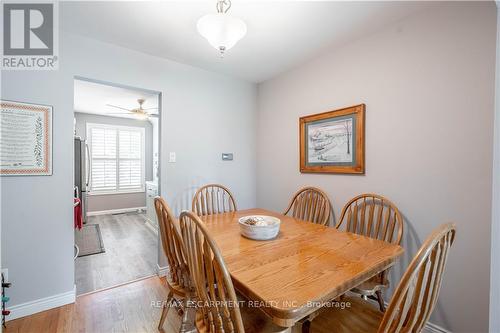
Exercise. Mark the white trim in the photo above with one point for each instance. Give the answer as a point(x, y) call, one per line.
point(116, 211)
point(42, 304)
point(161, 271)
point(429, 327)
point(151, 225)
point(98, 193)
point(433, 328)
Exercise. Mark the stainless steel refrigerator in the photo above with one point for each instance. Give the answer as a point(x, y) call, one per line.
point(82, 173)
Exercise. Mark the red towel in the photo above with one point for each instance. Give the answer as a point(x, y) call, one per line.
point(78, 214)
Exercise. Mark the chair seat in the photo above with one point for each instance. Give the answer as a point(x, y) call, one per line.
point(254, 321)
point(176, 288)
point(369, 287)
point(361, 317)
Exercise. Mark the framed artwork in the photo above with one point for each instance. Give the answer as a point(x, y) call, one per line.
point(26, 139)
point(333, 142)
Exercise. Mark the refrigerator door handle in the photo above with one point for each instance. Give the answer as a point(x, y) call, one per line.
point(84, 201)
point(89, 169)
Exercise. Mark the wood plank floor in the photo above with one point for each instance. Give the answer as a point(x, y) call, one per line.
point(131, 253)
point(133, 307)
point(128, 308)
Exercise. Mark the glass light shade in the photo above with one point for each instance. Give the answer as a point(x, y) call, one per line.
point(221, 30)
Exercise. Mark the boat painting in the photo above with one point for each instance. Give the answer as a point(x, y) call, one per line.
point(330, 141)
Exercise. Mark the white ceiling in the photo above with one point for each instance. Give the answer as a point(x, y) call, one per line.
point(90, 97)
point(281, 34)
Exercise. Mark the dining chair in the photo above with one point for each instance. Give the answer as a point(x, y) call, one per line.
point(310, 204)
point(373, 216)
point(178, 281)
point(213, 199)
point(218, 308)
point(412, 302)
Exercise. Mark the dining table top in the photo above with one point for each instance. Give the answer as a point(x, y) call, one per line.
point(306, 266)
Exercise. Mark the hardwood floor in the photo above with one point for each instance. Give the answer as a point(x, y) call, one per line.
point(134, 307)
point(128, 308)
point(131, 253)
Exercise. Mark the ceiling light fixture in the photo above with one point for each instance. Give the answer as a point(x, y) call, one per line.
point(222, 30)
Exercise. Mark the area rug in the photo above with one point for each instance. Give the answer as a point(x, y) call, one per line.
point(89, 240)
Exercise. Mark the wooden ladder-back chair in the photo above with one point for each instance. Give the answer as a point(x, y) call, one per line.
point(178, 281)
point(213, 199)
point(373, 216)
point(310, 204)
point(218, 306)
point(412, 303)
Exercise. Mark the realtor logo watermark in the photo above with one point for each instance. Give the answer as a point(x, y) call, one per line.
point(30, 36)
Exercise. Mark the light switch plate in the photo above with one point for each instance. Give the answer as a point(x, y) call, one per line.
point(171, 157)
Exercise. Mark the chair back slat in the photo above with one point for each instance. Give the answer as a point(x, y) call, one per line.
point(373, 216)
point(172, 244)
point(213, 199)
point(218, 306)
point(417, 292)
point(310, 204)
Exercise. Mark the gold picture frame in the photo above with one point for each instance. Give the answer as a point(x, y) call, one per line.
point(333, 141)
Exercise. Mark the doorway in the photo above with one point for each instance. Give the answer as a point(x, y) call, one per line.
point(117, 141)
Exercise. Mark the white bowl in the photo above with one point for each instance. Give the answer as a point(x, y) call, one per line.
point(268, 227)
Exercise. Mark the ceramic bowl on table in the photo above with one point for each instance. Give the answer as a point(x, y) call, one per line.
point(259, 227)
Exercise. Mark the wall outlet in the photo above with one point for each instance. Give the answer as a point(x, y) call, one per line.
point(171, 157)
point(5, 272)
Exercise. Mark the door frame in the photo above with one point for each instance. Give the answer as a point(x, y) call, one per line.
point(159, 268)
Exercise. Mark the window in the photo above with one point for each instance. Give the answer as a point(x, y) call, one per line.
point(117, 158)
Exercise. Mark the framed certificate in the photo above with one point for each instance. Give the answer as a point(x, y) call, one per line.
point(25, 139)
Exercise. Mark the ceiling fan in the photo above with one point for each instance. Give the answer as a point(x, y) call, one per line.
point(140, 111)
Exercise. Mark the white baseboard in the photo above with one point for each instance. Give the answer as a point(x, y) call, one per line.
point(433, 328)
point(42, 304)
point(161, 271)
point(429, 327)
point(152, 226)
point(116, 211)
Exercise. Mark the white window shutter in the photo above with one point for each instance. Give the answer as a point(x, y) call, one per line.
point(117, 158)
point(103, 175)
point(130, 174)
point(131, 166)
point(103, 155)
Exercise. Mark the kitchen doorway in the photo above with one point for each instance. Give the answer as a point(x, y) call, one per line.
point(116, 178)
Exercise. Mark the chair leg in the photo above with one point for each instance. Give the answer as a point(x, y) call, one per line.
point(185, 316)
point(164, 311)
point(380, 300)
point(306, 326)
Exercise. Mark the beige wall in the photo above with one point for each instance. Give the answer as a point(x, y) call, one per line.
point(495, 226)
point(428, 85)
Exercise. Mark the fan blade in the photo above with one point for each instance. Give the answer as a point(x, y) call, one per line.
point(150, 109)
point(119, 107)
point(152, 115)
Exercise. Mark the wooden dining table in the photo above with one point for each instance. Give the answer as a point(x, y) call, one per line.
point(305, 267)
